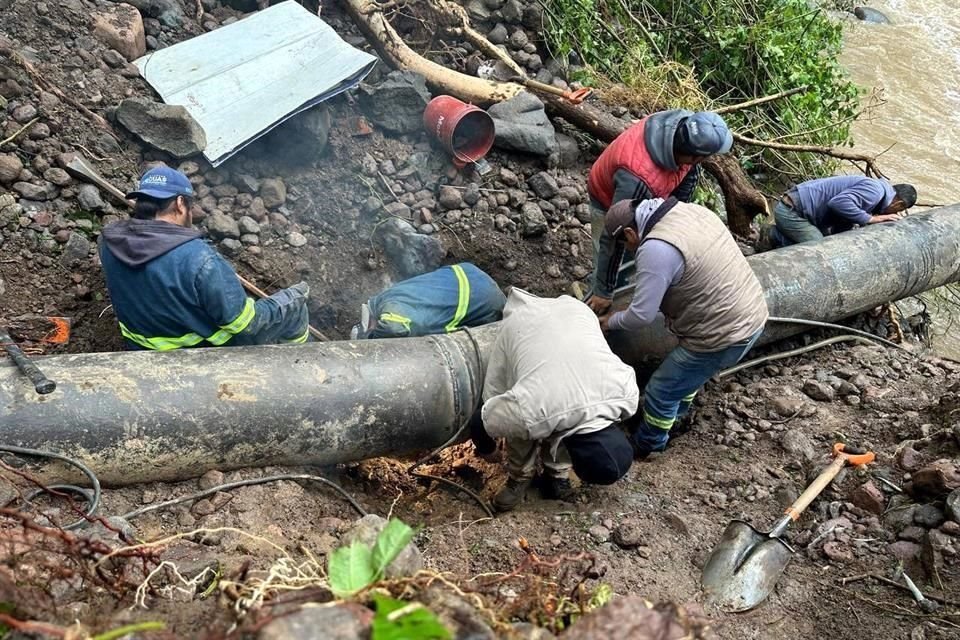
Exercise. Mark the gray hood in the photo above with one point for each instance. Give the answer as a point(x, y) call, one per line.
point(137, 242)
point(658, 136)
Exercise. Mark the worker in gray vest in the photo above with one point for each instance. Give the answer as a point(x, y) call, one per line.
point(690, 268)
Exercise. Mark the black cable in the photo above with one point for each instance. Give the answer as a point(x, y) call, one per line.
point(93, 501)
point(246, 483)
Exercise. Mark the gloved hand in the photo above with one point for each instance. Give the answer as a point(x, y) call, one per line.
point(484, 445)
point(647, 440)
point(302, 288)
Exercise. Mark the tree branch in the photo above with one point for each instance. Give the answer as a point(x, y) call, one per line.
point(841, 154)
point(758, 101)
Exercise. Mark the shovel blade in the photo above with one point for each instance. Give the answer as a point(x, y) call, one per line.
point(744, 567)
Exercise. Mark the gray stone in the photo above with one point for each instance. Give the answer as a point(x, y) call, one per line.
point(296, 239)
point(230, 246)
point(273, 192)
point(211, 479)
point(953, 506)
point(397, 103)
point(498, 35)
point(114, 535)
point(166, 127)
point(168, 12)
point(522, 125)
point(518, 39)
point(544, 185)
point(450, 197)
point(249, 239)
point(871, 15)
point(599, 533)
point(24, 113)
point(366, 530)
point(220, 226)
point(456, 614)
point(298, 142)
point(10, 168)
point(408, 253)
point(114, 59)
point(797, 443)
point(345, 621)
point(472, 194)
point(628, 534)
point(532, 221)
point(819, 390)
point(57, 176)
point(512, 11)
point(248, 225)
point(43, 192)
point(909, 554)
point(76, 250)
point(478, 11)
point(928, 516)
point(88, 196)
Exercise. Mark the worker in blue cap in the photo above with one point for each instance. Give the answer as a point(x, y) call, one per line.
point(171, 290)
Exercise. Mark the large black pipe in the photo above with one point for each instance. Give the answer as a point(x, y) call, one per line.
point(135, 417)
point(142, 416)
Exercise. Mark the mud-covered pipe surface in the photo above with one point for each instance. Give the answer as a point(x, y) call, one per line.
point(143, 416)
point(841, 276)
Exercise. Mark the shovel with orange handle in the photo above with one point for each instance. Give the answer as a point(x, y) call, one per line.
point(747, 563)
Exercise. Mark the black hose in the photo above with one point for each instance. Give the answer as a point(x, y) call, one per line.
point(246, 483)
point(92, 499)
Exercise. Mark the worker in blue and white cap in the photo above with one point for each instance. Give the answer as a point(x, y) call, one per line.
point(171, 290)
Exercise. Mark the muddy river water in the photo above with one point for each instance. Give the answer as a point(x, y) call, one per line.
point(915, 60)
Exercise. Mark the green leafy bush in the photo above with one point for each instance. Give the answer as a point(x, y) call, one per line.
point(736, 49)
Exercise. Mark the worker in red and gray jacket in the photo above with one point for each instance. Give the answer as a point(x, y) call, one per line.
point(656, 158)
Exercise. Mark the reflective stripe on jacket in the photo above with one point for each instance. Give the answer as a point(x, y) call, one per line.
point(441, 301)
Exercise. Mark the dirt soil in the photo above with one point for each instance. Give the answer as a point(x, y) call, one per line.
point(754, 442)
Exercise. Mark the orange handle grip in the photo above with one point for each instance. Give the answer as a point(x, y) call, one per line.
point(854, 459)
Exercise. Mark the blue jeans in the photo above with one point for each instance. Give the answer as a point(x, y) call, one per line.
point(674, 385)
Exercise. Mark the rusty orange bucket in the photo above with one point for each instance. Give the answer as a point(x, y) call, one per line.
point(464, 130)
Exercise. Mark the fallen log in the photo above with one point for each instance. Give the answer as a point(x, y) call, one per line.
point(143, 416)
point(743, 202)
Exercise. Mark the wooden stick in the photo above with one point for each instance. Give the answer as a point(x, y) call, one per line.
point(833, 152)
point(260, 293)
point(758, 101)
point(18, 132)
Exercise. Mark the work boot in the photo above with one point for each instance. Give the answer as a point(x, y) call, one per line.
point(512, 494)
point(556, 489)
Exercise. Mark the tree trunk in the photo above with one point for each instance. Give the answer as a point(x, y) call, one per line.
point(743, 202)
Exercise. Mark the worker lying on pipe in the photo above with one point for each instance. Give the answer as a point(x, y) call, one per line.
point(690, 268)
point(818, 208)
point(170, 289)
point(557, 394)
point(658, 157)
point(441, 301)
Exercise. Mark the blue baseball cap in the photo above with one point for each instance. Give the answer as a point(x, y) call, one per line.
point(704, 134)
point(162, 183)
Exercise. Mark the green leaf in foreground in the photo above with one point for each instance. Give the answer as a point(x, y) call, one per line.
point(392, 540)
point(399, 620)
point(351, 569)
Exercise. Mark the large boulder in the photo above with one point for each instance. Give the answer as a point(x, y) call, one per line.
point(298, 142)
point(397, 104)
point(120, 27)
point(409, 253)
point(166, 127)
point(522, 125)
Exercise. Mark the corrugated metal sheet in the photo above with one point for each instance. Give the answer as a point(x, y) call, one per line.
point(242, 80)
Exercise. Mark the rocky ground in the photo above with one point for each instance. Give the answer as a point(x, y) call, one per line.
point(351, 196)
